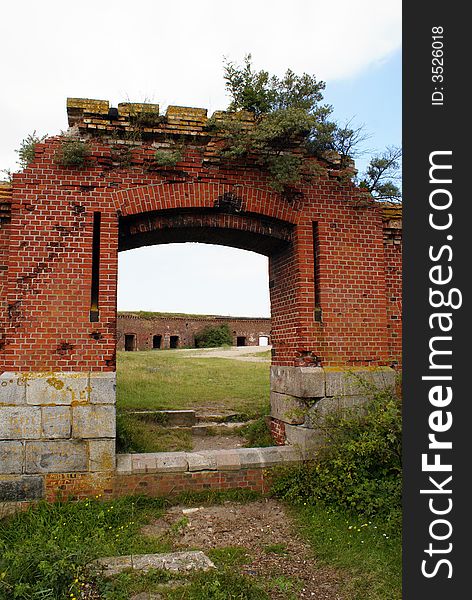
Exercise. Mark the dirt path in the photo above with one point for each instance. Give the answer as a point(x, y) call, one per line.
point(266, 534)
point(243, 353)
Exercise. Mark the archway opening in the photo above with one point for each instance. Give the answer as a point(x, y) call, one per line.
point(172, 294)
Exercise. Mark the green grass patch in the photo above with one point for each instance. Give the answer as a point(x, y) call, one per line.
point(220, 585)
point(288, 585)
point(366, 550)
point(163, 380)
point(229, 556)
point(276, 549)
point(44, 551)
point(134, 434)
point(122, 586)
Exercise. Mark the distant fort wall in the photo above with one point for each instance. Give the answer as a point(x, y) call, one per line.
point(156, 331)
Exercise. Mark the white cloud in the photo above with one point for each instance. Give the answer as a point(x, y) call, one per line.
point(172, 52)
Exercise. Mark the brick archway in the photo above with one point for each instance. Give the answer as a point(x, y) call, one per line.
point(335, 286)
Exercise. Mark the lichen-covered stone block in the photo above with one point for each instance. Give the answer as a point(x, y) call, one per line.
point(21, 489)
point(227, 460)
point(201, 461)
point(101, 455)
point(56, 422)
point(56, 456)
point(12, 388)
point(301, 382)
point(352, 382)
point(57, 388)
point(171, 461)
point(93, 421)
point(20, 422)
point(11, 457)
point(102, 388)
point(288, 408)
point(304, 438)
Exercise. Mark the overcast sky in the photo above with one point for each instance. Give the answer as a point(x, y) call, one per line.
point(171, 53)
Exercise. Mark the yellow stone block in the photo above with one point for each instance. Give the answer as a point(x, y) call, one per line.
point(87, 105)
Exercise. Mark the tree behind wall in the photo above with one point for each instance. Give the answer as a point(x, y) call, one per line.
point(212, 337)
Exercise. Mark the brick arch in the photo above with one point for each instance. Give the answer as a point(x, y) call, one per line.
point(172, 195)
point(263, 235)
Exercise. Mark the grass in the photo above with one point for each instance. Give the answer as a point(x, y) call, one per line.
point(366, 551)
point(138, 435)
point(45, 550)
point(163, 380)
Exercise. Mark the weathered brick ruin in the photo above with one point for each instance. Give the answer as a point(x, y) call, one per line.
point(159, 332)
point(334, 278)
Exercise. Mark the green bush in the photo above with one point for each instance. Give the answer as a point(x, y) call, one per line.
point(167, 158)
point(72, 153)
point(213, 337)
point(359, 467)
point(27, 149)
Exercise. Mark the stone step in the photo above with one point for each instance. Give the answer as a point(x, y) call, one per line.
point(210, 428)
point(226, 417)
point(176, 562)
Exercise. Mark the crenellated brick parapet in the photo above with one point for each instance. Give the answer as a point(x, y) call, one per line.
point(96, 117)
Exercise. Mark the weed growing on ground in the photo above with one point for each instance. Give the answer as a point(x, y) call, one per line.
point(229, 556)
point(257, 434)
point(44, 551)
point(366, 550)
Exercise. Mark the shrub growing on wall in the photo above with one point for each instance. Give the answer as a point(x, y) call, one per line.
point(360, 466)
point(214, 336)
point(72, 153)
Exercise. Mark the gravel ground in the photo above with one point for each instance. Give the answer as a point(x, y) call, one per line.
point(265, 530)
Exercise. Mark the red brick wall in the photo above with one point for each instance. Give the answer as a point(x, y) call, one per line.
point(393, 277)
point(185, 328)
point(86, 485)
point(46, 322)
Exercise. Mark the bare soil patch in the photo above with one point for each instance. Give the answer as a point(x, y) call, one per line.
point(265, 530)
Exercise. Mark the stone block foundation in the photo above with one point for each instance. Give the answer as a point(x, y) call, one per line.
point(53, 423)
point(300, 396)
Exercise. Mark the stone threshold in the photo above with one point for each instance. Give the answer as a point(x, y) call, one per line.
point(209, 460)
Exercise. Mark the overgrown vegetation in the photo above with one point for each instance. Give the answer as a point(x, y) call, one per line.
point(214, 336)
point(360, 466)
point(134, 434)
point(27, 149)
point(72, 154)
point(44, 551)
point(168, 158)
point(257, 434)
point(289, 123)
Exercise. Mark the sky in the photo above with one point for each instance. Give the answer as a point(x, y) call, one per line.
point(172, 53)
